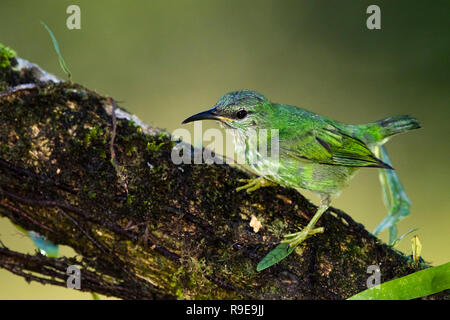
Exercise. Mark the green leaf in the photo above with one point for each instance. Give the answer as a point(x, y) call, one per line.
point(419, 284)
point(276, 255)
point(45, 246)
point(62, 63)
point(95, 296)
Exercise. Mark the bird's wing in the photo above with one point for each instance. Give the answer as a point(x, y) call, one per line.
point(324, 143)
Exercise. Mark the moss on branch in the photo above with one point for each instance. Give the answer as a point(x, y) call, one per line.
point(149, 228)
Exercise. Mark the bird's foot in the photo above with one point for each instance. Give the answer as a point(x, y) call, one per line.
point(294, 239)
point(254, 184)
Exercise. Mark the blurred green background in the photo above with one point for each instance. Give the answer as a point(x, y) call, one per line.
point(165, 60)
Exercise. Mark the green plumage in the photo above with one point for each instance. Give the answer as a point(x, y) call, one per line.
point(313, 152)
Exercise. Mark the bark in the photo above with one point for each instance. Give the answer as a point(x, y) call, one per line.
point(82, 171)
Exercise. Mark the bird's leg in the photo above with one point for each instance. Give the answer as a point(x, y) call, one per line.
point(254, 184)
point(394, 197)
point(294, 239)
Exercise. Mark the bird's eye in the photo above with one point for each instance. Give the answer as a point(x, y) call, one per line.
point(241, 114)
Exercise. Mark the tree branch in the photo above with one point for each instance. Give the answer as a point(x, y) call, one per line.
point(80, 170)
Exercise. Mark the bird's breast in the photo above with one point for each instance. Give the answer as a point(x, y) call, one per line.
point(251, 154)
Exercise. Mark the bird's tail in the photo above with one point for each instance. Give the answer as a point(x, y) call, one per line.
point(378, 132)
point(397, 124)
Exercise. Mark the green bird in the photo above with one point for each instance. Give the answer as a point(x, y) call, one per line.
point(313, 152)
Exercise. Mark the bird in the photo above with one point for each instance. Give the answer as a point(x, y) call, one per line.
point(313, 152)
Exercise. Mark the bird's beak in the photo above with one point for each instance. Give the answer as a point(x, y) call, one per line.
point(206, 115)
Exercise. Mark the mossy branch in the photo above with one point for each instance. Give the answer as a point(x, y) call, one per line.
point(144, 227)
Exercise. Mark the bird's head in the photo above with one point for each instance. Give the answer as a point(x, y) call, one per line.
point(237, 110)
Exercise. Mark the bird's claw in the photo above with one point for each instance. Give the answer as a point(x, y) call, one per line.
point(254, 184)
point(294, 239)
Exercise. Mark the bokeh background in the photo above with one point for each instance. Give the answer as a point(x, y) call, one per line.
point(165, 60)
